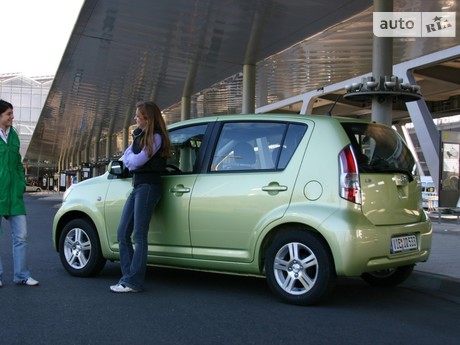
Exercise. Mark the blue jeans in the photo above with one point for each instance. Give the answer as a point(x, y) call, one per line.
point(18, 225)
point(135, 221)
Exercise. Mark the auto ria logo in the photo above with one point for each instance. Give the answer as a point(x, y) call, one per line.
point(414, 24)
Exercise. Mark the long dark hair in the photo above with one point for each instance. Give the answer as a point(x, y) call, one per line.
point(155, 123)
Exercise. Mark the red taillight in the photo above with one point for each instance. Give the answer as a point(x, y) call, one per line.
point(350, 188)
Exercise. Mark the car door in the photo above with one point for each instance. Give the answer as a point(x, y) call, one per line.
point(390, 193)
point(248, 184)
point(169, 227)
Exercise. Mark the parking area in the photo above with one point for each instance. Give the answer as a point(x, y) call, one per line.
point(189, 307)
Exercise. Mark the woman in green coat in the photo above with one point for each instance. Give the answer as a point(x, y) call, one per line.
point(12, 187)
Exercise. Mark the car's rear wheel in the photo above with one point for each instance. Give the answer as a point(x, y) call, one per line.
point(80, 250)
point(388, 277)
point(299, 268)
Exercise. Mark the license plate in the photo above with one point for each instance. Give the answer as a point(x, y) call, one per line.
point(403, 243)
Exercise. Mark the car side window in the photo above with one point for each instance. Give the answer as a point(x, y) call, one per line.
point(294, 135)
point(185, 144)
point(255, 146)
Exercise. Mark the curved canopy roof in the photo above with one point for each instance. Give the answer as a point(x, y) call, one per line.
point(124, 51)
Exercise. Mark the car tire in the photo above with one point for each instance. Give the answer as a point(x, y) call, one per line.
point(299, 268)
point(388, 277)
point(80, 249)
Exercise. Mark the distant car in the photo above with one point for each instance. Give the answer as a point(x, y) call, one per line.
point(429, 195)
point(30, 188)
point(297, 199)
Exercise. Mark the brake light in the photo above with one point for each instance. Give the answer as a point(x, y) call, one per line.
point(350, 187)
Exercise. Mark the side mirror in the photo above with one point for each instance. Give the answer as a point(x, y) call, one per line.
point(116, 168)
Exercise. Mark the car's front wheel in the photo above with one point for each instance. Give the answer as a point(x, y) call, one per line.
point(80, 250)
point(299, 268)
point(388, 277)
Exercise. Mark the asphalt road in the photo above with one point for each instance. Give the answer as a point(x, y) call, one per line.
point(187, 307)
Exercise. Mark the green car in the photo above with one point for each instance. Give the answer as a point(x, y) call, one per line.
point(297, 199)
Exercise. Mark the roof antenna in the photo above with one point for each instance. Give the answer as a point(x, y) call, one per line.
point(329, 113)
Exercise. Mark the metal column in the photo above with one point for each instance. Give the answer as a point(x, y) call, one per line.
point(382, 65)
point(249, 89)
point(125, 138)
point(185, 107)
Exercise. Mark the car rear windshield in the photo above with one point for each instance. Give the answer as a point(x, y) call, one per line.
point(379, 149)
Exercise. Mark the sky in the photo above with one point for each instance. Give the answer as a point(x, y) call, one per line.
point(34, 34)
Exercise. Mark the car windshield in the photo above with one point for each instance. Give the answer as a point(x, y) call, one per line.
point(379, 149)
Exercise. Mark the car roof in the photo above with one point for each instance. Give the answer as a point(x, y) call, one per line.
point(267, 117)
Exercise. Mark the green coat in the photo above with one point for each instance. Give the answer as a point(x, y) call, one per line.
point(12, 178)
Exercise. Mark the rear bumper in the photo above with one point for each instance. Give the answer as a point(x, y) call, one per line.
point(366, 247)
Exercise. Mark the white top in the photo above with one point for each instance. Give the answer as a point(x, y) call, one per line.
point(4, 135)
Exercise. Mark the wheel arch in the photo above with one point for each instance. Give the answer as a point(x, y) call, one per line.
point(66, 218)
point(284, 228)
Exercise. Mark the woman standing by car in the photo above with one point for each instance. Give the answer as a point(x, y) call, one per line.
point(12, 187)
point(146, 160)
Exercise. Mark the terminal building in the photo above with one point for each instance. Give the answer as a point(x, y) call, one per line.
point(204, 57)
point(28, 96)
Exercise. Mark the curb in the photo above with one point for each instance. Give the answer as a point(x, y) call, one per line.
point(449, 287)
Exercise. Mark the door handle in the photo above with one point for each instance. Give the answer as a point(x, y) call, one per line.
point(179, 189)
point(274, 188)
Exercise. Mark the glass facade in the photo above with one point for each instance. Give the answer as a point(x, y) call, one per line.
point(28, 95)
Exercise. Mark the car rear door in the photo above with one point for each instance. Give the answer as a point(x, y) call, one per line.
point(248, 184)
point(391, 193)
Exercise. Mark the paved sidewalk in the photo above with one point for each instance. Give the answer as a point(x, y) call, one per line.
point(48, 195)
point(440, 274)
point(445, 250)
